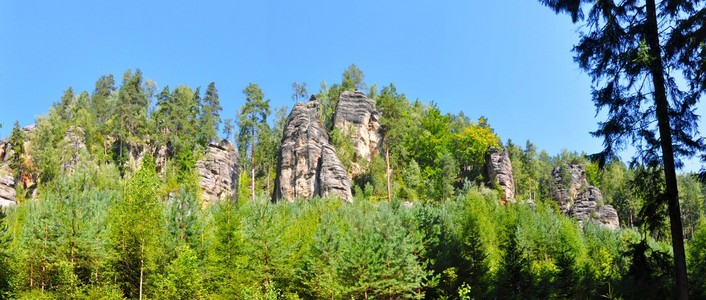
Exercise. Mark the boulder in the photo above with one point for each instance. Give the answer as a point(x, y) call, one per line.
point(218, 171)
point(358, 118)
point(499, 169)
point(575, 197)
point(308, 166)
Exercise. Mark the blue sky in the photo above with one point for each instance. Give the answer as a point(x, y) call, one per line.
point(507, 60)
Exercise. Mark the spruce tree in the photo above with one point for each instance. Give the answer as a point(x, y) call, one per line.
point(210, 118)
point(635, 51)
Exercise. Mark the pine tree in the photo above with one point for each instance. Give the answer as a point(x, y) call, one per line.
point(252, 119)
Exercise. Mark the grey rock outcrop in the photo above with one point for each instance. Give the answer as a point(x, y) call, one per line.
point(8, 194)
point(575, 197)
point(219, 170)
point(357, 117)
point(308, 166)
point(7, 187)
point(74, 137)
point(499, 169)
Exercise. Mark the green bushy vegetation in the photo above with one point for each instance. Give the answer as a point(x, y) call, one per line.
point(423, 224)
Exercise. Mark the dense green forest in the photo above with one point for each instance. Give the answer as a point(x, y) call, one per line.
point(94, 222)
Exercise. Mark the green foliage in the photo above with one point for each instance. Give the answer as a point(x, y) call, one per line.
point(106, 229)
point(470, 146)
point(252, 120)
point(17, 145)
point(352, 79)
point(135, 226)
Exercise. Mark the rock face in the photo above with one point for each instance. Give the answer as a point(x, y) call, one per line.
point(499, 169)
point(219, 170)
point(577, 198)
point(308, 166)
point(357, 117)
point(7, 187)
point(74, 137)
point(8, 195)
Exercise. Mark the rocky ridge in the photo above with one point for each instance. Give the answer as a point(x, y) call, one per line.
point(575, 197)
point(308, 166)
point(218, 172)
point(358, 118)
point(499, 170)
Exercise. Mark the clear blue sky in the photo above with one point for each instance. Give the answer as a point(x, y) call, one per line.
point(507, 60)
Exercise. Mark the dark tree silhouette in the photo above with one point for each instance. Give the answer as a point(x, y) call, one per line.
point(635, 51)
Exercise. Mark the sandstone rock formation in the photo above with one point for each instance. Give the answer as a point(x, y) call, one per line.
point(219, 170)
point(357, 117)
point(74, 137)
point(499, 169)
point(308, 166)
point(577, 198)
point(8, 195)
point(7, 187)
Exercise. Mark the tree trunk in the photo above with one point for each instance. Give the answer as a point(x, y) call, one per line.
point(252, 168)
point(388, 171)
point(665, 134)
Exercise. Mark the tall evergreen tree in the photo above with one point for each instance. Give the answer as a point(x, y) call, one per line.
point(17, 145)
point(210, 118)
point(252, 118)
point(100, 105)
point(66, 103)
point(634, 51)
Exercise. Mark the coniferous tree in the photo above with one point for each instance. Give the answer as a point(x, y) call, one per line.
point(251, 119)
point(626, 44)
point(17, 145)
point(210, 118)
point(65, 105)
point(299, 91)
point(101, 107)
point(129, 120)
point(352, 79)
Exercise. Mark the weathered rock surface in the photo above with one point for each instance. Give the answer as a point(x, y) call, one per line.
point(577, 198)
point(357, 117)
point(219, 170)
point(308, 166)
point(75, 138)
point(8, 195)
point(7, 187)
point(499, 169)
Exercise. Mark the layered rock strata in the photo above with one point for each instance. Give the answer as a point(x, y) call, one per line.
point(218, 171)
point(499, 170)
point(358, 118)
point(308, 166)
